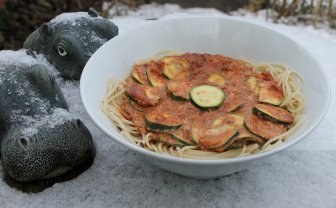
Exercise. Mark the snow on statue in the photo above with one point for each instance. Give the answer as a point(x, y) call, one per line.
point(69, 40)
point(39, 138)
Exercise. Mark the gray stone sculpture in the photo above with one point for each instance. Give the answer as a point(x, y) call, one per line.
point(39, 138)
point(69, 40)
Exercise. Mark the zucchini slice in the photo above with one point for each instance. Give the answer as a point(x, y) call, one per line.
point(227, 119)
point(234, 107)
point(233, 102)
point(144, 95)
point(263, 128)
point(162, 121)
point(207, 96)
point(239, 119)
point(181, 138)
point(246, 137)
point(135, 105)
point(214, 137)
point(155, 78)
point(139, 74)
point(167, 139)
point(218, 137)
point(273, 113)
point(178, 90)
point(196, 131)
point(252, 83)
point(270, 92)
point(176, 68)
point(217, 79)
point(227, 144)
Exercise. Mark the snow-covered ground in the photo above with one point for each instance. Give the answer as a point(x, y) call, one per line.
point(303, 176)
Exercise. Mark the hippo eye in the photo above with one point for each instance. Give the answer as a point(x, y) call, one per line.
point(64, 47)
point(61, 50)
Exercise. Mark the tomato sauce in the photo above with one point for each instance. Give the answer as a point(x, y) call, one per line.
point(240, 99)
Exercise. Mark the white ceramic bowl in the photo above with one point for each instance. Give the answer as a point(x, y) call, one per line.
point(213, 35)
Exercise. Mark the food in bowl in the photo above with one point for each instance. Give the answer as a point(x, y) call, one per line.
point(218, 35)
point(205, 106)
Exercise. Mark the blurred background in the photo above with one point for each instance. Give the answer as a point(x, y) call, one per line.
point(18, 18)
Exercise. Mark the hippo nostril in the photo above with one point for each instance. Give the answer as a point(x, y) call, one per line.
point(77, 123)
point(23, 142)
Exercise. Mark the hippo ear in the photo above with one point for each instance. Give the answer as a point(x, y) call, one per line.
point(46, 30)
point(92, 12)
point(30, 52)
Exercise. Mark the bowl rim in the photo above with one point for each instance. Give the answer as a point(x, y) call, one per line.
point(121, 140)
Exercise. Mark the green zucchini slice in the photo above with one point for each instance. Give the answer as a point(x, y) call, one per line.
point(239, 119)
point(227, 144)
point(181, 138)
point(263, 127)
point(196, 131)
point(245, 137)
point(227, 119)
point(155, 78)
point(135, 105)
point(233, 102)
point(176, 68)
point(217, 79)
point(234, 107)
point(139, 74)
point(143, 95)
point(168, 139)
point(252, 83)
point(273, 113)
point(159, 121)
point(207, 96)
point(270, 92)
point(218, 137)
point(178, 90)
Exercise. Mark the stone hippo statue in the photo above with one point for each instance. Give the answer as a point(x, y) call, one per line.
point(39, 138)
point(69, 40)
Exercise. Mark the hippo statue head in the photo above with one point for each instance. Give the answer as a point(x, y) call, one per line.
point(46, 151)
point(69, 40)
point(39, 138)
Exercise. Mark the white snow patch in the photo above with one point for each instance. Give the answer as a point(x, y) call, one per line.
point(59, 116)
point(24, 62)
point(70, 17)
point(155, 11)
point(19, 57)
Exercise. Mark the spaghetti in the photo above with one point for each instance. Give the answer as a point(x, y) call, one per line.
point(293, 102)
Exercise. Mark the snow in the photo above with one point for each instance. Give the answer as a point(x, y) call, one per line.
point(11, 57)
point(303, 176)
point(69, 17)
point(57, 117)
point(24, 92)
